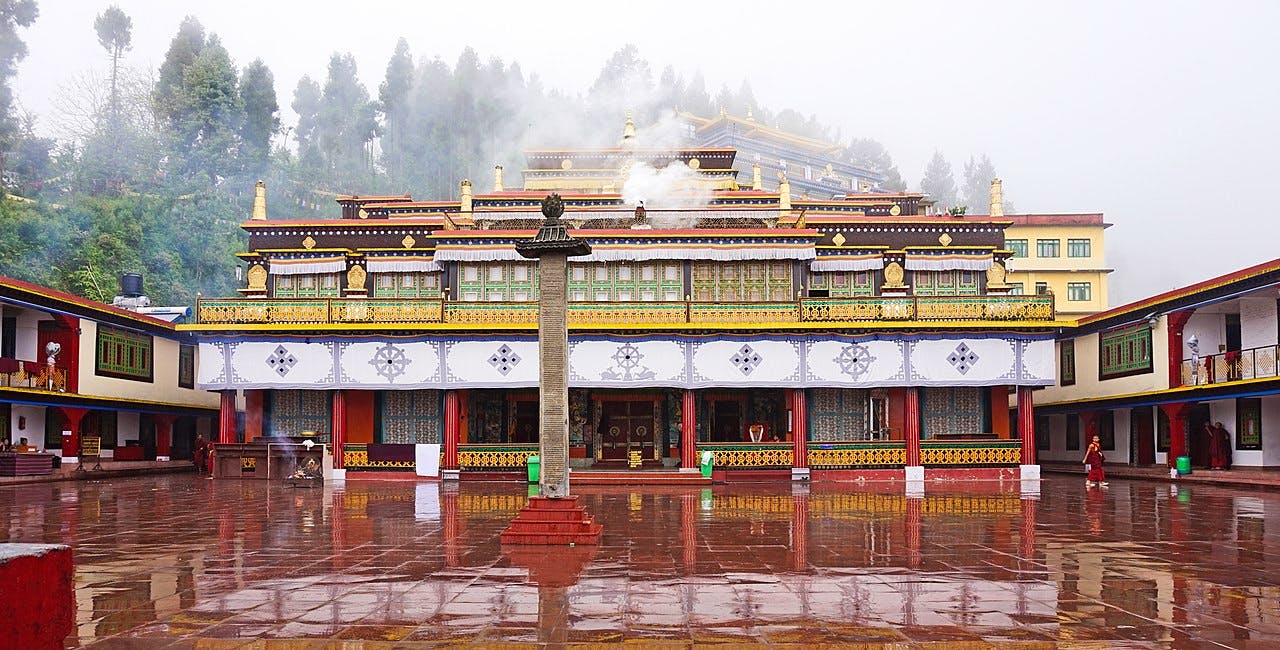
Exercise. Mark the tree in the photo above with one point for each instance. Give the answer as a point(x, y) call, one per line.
point(115, 34)
point(261, 116)
point(938, 182)
point(183, 50)
point(13, 14)
point(209, 115)
point(346, 123)
point(393, 103)
point(307, 103)
point(977, 184)
point(871, 155)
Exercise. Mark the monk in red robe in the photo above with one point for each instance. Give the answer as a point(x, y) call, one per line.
point(1219, 445)
point(1093, 458)
point(200, 455)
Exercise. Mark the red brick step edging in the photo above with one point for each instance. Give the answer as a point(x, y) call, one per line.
point(552, 522)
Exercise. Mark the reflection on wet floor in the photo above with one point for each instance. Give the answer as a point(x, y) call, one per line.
point(178, 561)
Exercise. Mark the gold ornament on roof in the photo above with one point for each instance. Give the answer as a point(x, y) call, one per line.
point(996, 275)
point(945, 239)
point(694, 163)
point(566, 164)
point(363, 214)
point(309, 243)
point(839, 239)
point(408, 241)
point(895, 210)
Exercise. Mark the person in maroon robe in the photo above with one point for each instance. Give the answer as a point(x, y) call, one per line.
point(1219, 445)
point(200, 457)
point(1093, 458)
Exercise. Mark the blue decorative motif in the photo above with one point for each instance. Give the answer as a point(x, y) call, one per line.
point(746, 359)
point(390, 361)
point(627, 366)
point(963, 359)
point(504, 360)
point(854, 360)
point(281, 360)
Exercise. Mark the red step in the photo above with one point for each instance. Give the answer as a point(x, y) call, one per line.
point(637, 478)
point(552, 522)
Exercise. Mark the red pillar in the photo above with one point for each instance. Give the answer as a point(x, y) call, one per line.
point(689, 430)
point(339, 427)
point(452, 429)
point(227, 418)
point(71, 443)
point(799, 427)
point(1177, 414)
point(164, 434)
point(1027, 425)
point(452, 527)
point(1176, 322)
point(912, 426)
point(253, 411)
point(800, 531)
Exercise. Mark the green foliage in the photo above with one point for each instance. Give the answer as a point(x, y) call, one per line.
point(13, 14)
point(938, 181)
point(261, 117)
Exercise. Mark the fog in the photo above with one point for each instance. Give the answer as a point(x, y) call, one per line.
point(1161, 115)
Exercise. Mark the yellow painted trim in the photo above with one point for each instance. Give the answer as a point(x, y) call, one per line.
point(533, 327)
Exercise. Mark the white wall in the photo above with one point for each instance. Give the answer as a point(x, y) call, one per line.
point(34, 433)
point(1210, 329)
point(1257, 322)
point(1122, 437)
point(27, 337)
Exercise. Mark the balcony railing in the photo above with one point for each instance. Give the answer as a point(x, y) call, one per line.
point(1254, 363)
point(33, 375)
point(324, 311)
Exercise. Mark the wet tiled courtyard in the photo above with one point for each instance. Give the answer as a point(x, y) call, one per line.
point(180, 561)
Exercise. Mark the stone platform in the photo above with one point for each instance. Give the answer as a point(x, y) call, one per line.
point(552, 522)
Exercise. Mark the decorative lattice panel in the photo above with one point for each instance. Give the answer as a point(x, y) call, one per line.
point(952, 411)
point(837, 414)
point(295, 411)
point(833, 456)
point(411, 417)
point(970, 454)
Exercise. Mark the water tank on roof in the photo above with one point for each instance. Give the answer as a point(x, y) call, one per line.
point(131, 285)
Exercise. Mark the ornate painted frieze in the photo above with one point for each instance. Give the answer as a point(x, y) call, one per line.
point(652, 361)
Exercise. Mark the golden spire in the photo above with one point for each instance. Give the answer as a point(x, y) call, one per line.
point(466, 197)
point(784, 196)
point(497, 178)
point(629, 131)
point(757, 183)
point(997, 198)
point(259, 202)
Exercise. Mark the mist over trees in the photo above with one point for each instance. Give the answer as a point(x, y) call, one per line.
point(153, 170)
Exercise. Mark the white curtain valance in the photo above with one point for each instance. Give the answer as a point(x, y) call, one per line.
point(401, 265)
point(605, 253)
point(823, 265)
point(308, 266)
point(952, 262)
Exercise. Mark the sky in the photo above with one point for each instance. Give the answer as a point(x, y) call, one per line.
point(1161, 115)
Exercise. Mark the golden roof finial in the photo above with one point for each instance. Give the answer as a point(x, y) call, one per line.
point(750, 117)
point(628, 130)
point(784, 196)
point(757, 182)
point(259, 202)
point(465, 191)
point(497, 178)
point(997, 198)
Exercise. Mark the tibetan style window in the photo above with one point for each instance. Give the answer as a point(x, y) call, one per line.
point(307, 285)
point(124, 354)
point(493, 282)
point(1048, 247)
point(1124, 351)
point(186, 366)
point(1079, 248)
point(1016, 289)
point(1018, 246)
point(842, 284)
point(1079, 291)
point(1043, 441)
point(1067, 362)
point(742, 281)
point(625, 281)
point(416, 284)
point(946, 283)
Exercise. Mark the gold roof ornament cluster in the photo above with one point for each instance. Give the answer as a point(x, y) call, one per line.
point(997, 198)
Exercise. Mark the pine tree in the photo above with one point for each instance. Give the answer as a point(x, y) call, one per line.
point(978, 174)
point(183, 50)
point(115, 35)
point(938, 182)
point(209, 114)
point(871, 155)
point(393, 103)
point(261, 117)
point(347, 123)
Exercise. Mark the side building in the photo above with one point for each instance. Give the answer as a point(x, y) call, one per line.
point(1147, 377)
point(72, 368)
point(783, 335)
point(1063, 254)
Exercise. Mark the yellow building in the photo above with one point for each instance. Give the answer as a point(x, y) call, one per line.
point(1063, 254)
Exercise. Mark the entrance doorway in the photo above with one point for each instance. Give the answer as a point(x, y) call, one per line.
point(726, 417)
point(524, 420)
point(628, 425)
point(1142, 432)
point(1199, 440)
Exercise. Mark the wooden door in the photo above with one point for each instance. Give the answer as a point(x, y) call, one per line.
point(1143, 435)
point(626, 426)
point(1196, 435)
point(641, 427)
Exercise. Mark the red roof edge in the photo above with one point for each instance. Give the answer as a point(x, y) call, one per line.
point(1182, 292)
point(14, 283)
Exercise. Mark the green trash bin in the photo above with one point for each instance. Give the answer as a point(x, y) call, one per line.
point(707, 459)
point(1184, 465)
point(534, 465)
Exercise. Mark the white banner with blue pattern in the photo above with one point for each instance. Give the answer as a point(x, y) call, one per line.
point(601, 361)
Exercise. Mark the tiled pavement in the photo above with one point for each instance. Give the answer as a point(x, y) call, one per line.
point(184, 562)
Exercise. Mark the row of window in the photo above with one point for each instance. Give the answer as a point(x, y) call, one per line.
point(1121, 352)
point(1051, 247)
point(125, 354)
point(1076, 291)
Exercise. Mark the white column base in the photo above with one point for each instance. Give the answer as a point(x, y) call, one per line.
point(163, 459)
point(70, 460)
point(1173, 473)
point(915, 480)
point(799, 473)
point(915, 473)
point(339, 475)
point(450, 474)
point(1029, 472)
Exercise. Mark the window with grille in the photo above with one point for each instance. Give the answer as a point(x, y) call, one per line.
point(626, 281)
point(406, 285)
point(1079, 248)
point(1124, 351)
point(742, 281)
point(124, 354)
point(1042, 288)
point(1067, 362)
point(842, 284)
point(1018, 246)
point(307, 285)
point(1048, 248)
point(1079, 291)
point(1016, 289)
point(945, 283)
point(186, 366)
point(494, 282)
